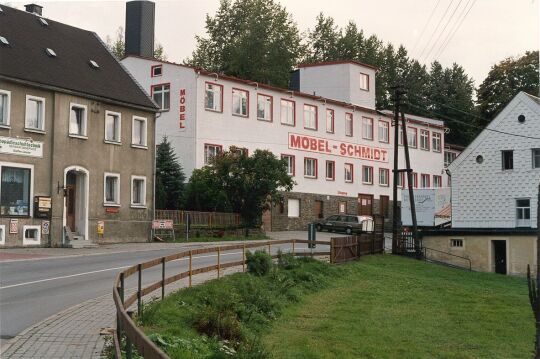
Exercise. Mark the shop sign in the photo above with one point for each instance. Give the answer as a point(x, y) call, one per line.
point(21, 146)
point(337, 148)
point(182, 122)
point(162, 224)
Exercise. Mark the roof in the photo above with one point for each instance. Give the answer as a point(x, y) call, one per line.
point(446, 212)
point(418, 119)
point(25, 59)
point(534, 98)
point(340, 62)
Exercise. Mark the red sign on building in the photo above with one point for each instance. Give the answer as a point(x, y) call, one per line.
point(182, 122)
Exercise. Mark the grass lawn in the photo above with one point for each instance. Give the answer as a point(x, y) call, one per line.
point(391, 307)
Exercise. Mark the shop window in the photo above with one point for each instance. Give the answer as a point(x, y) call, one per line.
point(507, 160)
point(240, 102)
point(264, 107)
point(138, 132)
point(293, 208)
point(111, 189)
point(35, 113)
point(138, 191)
point(15, 191)
point(2, 234)
point(112, 127)
point(5, 107)
point(77, 120)
point(31, 235)
point(162, 96)
point(288, 112)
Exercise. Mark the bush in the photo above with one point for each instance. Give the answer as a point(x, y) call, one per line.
point(258, 263)
point(287, 260)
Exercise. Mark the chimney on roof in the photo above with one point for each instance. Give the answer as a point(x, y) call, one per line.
point(34, 9)
point(140, 18)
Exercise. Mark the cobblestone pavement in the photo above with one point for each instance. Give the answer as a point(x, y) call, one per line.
point(79, 332)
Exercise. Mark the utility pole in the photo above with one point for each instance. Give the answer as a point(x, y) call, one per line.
point(395, 171)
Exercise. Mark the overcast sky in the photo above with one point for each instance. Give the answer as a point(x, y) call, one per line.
point(492, 30)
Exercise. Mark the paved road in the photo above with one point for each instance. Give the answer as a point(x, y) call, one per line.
point(32, 290)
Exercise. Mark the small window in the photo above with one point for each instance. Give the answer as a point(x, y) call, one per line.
point(401, 180)
point(436, 141)
point(77, 120)
point(384, 132)
point(367, 174)
point(4, 41)
point(479, 159)
point(162, 96)
point(293, 208)
point(50, 52)
point(157, 70)
point(523, 212)
point(364, 82)
point(456, 243)
point(342, 207)
point(5, 107)
point(138, 191)
point(139, 131)
point(35, 113)
point(240, 102)
point(15, 189)
point(349, 172)
point(437, 181)
point(400, 136)
point(113, 125)
point(211, 151)
point(412, 137)
point(384, 175)
point(94, 64)
point(264, 107)
point(310, 167)
point(213, 97)
point(449, 157)
point(536, 158)
point(348, 124)
point(329, 120)
point(424, 181)
point(330, 170)
point(288, 112)
point(424, 140)
point(31, 235)
point(507, 160)
point(289, 161)
point(367, 128)
point(111, 189)
point(310, 117)
point(43, 21)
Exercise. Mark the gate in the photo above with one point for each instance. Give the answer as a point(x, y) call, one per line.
point(345, 249)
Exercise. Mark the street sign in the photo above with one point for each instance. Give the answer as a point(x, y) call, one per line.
point(162, 224)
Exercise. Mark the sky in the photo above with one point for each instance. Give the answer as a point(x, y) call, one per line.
point(491, 31)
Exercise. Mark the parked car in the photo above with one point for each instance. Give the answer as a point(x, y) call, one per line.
point(346, 223)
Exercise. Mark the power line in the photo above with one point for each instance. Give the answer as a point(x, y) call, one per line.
point(443, 30)
point(445, 44)
point(436, 29)
point(425, 26)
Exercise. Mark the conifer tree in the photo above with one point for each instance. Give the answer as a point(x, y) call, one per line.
point(169, 178)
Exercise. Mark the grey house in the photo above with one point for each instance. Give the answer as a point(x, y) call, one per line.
point(76, 138)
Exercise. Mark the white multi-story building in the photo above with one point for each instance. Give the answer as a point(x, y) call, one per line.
point(338, 147)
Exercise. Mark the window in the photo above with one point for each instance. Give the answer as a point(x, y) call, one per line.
point(239, 150)
point(289, 161)
point(400, 138)
point(424, 181)
point(240, 102)
point(31, 235)
point(456, 243)
point(310, 117)
point(348, 124)
point(112, 126)
point(364, 82)
point(111, 189)
point(5, 106)
point(15, 191)
point(157, 70)
point(213, 97)
point(342, 207)
point(138, 191)
point(349, 174)
point(330, 170)
point(310, 167)
point(436, 141)
point(367, 128)
point(162, 96)
point(211, 151)
point(536, 158)
point(411, 137)
point(35, 113)
point(384, 131)
point(384, 175)
point(523, 212)
point(367, 174)
point(401, 180)
point(415, 179)
point(288, 112)
point(138, 132)
point(264, 107)
point(293, 208)
point(449, 157)
point(77, 120)
point(507, 160)
point(437, 181)
point(329, 120)
point(424, 140)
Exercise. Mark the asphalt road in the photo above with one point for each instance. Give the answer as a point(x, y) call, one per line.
point(33, 290)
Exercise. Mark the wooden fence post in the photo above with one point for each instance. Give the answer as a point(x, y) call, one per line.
point(190, 265)
point(139, 287)
point(218, 261)
point(269, 250)
point(162, 278)
point(293, 243)
point(244, 257)
point(332, 250)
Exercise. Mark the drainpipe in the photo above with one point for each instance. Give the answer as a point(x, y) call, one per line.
point(51, 180)
point(154, 165)
point(449, 174)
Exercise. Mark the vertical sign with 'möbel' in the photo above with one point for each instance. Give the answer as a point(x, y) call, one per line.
point(182, 121)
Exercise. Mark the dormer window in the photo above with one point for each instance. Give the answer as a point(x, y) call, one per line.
point(50, 52)
point(364, 82)
point(4, 41)
point(43, 21)
point(94, 64)
point(157, 70)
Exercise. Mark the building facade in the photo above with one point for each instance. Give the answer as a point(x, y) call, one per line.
point(76, 138)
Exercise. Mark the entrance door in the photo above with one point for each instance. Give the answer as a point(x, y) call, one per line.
point(384, 202)
point(70, 200)
point(499, 256)
point(318, 209)
point(365, 204)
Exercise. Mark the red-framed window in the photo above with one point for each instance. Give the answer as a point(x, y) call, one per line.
point(156, 70)
point(240, 102)
point(400, 138)
point(436, 141)
point(161, 94)
point(425, 180)
point(364, 81)
point(349, 173)
point(330, 120)
point(412, 137)
point(240, 150)
point(424, 140)
point(310, 117)
point(401, 180)
point(211, 151)
point(349, 124)
point(289, 160)
point(288, 112)
point(384, 131)
point(384, 177)
point(265, 107)
point(330, 170)
point(415, 179)
point(367, 175)
point(213, 97)
point(310, 167)
point(437, 181)
point(367, 128)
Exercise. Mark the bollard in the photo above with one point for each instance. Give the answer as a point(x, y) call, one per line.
point(190, 266)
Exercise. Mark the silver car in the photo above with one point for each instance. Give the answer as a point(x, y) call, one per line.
point(346, 223)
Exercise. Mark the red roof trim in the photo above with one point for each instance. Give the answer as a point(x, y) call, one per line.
point(325, 63)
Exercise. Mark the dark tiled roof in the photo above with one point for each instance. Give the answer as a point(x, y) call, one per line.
point(25, 59)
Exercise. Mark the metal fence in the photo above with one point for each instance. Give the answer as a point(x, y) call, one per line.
point(200, 219)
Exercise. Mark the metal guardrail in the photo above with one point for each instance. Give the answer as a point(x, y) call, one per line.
point(425, 249)
point(135, 337)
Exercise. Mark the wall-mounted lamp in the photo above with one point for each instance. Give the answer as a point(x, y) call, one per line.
point(256, 85)
point(59, 187)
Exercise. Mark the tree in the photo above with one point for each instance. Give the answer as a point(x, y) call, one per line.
point(323, 41)
point(169, 178)
point(118, 46)
point(251, 39)
point(239, 183)
point(504, 81)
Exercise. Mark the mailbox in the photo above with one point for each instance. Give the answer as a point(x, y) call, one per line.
point(42, 207)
